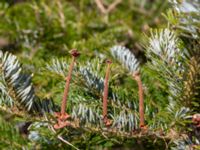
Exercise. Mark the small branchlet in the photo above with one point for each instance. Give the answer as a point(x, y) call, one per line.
point(63, 116)
point(137, 78)
point(105, 95)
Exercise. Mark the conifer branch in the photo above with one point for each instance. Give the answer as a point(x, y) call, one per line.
point(19, 86)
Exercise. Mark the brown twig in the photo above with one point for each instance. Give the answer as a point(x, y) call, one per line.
point(105, 95)
point(62, 116)
point(136, 76)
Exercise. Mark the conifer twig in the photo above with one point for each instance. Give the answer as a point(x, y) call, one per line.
point(137, 78)
point(105, 95)
point(62, 116)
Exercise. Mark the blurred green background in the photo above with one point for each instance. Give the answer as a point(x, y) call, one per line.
point(39, 30)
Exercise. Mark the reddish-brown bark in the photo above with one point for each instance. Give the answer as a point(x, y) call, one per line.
point(136, 76)
point(63, 116)
point(105, 95)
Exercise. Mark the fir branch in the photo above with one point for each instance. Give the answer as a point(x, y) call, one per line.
point(17, 87)
point(92, 80)
point(87, 111)
point(187, 17)
point(18, 83)
point(58, 67)
point(5, 97)
point(167, 59)
point(165, 45)
point(126, 121)
point(124, 56)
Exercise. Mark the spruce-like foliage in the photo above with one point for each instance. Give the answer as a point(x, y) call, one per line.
point(124, 55)
point(170, 75)
point(16, 87)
